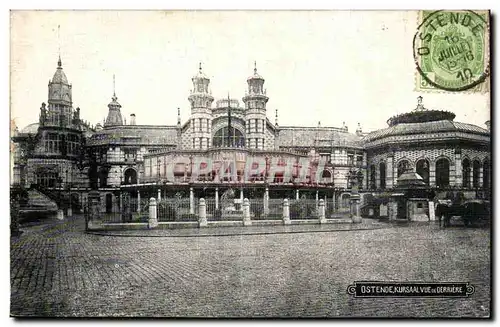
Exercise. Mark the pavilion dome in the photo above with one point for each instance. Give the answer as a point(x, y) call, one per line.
point(422, 121)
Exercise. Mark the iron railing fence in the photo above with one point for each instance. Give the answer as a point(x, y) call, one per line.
point(176, 209)
point(304, 209)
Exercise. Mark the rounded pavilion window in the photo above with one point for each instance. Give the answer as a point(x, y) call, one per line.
point(228, 138)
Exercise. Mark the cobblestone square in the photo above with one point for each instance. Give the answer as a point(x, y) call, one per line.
point(58, 270)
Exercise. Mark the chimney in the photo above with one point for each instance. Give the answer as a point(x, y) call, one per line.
point(488, 125)
point(132, 119)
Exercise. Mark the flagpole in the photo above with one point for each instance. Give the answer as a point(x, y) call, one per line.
point(229, 139)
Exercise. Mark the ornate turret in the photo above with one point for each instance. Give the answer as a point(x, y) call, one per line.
point(201, 111)
point(59, 88)
point(114, 115)
point(359, 131)
point(59, 110)
point(255, 111)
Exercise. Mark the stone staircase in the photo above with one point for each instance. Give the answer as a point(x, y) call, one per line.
point(39, 202)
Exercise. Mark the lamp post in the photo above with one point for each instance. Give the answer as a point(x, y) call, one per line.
point(354, 178)
point(69, 211)
point(120, 198)
point(60, 212)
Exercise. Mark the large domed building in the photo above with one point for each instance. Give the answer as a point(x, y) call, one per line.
point(445, 153)
point(61, 151)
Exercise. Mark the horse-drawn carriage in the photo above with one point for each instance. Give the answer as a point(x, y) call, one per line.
point(470, 211)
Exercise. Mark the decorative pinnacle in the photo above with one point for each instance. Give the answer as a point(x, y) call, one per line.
point(420, 105)
point(255, 67)
point(179, 116)
point(276, 118)
point(200, 67)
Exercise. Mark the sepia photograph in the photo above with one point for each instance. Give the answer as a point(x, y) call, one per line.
point(250, 164)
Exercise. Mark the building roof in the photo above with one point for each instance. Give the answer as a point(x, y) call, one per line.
point(59, 76)
point(30, 129)
point(425, 127)
point(324, 136)
point(410, 179)
point(135, 134)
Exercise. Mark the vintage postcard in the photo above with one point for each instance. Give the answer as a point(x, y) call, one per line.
point(250, 164)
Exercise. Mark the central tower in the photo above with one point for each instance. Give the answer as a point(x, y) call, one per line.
point(255, 111)
point(201, 111)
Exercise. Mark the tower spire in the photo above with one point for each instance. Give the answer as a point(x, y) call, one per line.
point(114, 90)
point(59, 62)
point(229, 139)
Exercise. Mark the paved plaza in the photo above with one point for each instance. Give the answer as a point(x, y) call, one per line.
point(59, 270)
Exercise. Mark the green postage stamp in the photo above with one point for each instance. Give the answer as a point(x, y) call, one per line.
point(451, 51)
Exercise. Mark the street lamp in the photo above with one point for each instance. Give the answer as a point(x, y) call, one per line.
point(354, 178)
point(69, 210)
point(59, 182)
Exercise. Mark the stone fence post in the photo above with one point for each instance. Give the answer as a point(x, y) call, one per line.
point(93, 209)
point(202, 220)
point(432, 211)
point(286, 212)
point(152, 221)
point(322, 218)
point(355, 216)
point(246, 213)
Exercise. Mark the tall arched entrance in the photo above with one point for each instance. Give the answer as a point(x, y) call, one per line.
point(466, 173)
point(486, 174)
point(442, 172)
point(403, 166)
point(382, 174)
point(476, 171)
point(422, 169)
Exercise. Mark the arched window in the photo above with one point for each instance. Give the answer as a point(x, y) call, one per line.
point(382, 175)
point(476, 167)
point(130, 176)
point(372, 177)
point(326, 175)
point(486, 174)
point(422, 168)
point(403, 166)
point(442, 172)
point(466, 173)
point(224, 138)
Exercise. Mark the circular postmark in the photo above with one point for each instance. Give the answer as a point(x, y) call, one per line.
point(450, 49)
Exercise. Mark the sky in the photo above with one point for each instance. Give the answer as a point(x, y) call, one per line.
point(328, 66)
